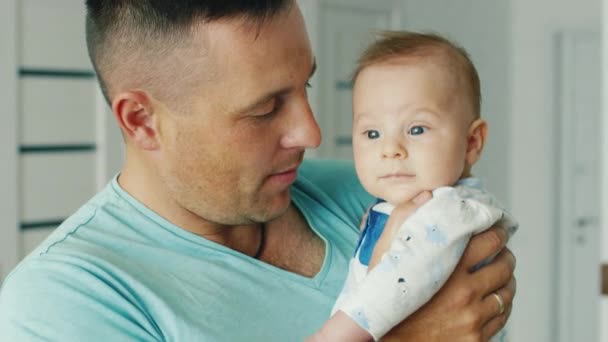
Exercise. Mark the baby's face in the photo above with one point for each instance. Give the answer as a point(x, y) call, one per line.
point(410, 129)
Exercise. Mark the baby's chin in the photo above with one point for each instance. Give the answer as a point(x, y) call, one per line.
point(400, 195)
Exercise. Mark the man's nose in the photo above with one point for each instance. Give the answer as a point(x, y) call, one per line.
point(303, 129)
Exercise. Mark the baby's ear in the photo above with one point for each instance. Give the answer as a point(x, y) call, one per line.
point(478, 131)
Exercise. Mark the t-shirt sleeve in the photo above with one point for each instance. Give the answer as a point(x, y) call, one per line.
point(338, 180)
point(47, 301)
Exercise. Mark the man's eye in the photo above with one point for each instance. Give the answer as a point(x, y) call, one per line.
point(276, 106)
point(263, 115)
point(417, 130)
point(267, 113)
point(372, 134)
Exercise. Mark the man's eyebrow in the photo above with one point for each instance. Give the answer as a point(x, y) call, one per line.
point(266, 98)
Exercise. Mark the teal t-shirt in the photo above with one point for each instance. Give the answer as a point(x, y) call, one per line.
point(116, 271)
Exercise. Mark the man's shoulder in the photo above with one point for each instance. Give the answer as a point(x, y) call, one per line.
point(334, 184)
point(70, 277)
point(73, 242)
point(82, 218)
point(60, 297)
point(329, 165)
point(330, 174)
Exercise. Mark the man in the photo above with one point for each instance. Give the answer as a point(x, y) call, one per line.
point(204, 236)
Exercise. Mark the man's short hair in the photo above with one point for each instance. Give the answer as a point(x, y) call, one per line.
point(115, 29)
point(393, 45)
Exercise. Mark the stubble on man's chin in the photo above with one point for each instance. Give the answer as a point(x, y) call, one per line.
point(269, 212)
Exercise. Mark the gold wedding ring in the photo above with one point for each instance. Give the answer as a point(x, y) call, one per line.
point(501, 303)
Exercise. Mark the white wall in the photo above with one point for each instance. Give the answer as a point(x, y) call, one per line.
point(8, 140)
point(482, 28)
point(58, 141)
point(532, 167)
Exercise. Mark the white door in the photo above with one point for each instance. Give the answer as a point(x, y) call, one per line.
point(9, 252)
point(580, 139)
point(58, 143)
point(339, 31)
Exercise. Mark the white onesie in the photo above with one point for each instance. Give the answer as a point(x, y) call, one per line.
point(420, 259)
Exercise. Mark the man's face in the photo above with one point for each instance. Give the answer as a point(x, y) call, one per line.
point(410, 128)
point(232, 157)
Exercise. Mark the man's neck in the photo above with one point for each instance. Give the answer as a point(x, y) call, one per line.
point(290, 243)
point(145, 186)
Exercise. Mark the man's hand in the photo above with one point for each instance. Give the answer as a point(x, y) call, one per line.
point(465, 309)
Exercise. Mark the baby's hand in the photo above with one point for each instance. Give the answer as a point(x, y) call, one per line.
point(396, 219)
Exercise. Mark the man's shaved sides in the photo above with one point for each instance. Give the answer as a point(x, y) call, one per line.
point(148, 44)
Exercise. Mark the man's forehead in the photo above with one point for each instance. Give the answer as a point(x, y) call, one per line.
point(226, 37)
point(253, 61)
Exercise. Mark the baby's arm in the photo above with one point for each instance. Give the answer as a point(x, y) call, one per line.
point(421, 257)
point(398, 215)
point(340, 328)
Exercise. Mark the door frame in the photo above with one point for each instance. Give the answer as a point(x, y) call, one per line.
point(603, 314)
point(9, 161)
point(310, 12)
point(564, 280)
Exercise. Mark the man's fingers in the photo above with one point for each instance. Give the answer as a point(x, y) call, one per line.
point(496, 274)
point(498, 321)
point(497, 308)
point(483, 246)
point(494, 326)
point(496, 303)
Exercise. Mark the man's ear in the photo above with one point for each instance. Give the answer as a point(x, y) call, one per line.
point(134, 112)
point(478, 131)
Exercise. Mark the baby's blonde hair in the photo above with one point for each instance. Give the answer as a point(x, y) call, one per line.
point(393, 45)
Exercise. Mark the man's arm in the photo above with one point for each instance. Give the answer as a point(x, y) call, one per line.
point(60, 301)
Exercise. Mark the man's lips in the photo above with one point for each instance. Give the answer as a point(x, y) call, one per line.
point(287, 175)
point(293, 168)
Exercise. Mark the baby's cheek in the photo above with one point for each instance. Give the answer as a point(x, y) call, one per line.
point(441, 174)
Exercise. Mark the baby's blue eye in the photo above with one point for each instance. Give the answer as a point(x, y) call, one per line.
point(373, 134)
point(417, 130)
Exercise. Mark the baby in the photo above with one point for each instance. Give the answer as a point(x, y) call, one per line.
point(416, 128)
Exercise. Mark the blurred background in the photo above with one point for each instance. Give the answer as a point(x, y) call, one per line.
point(540, 64)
